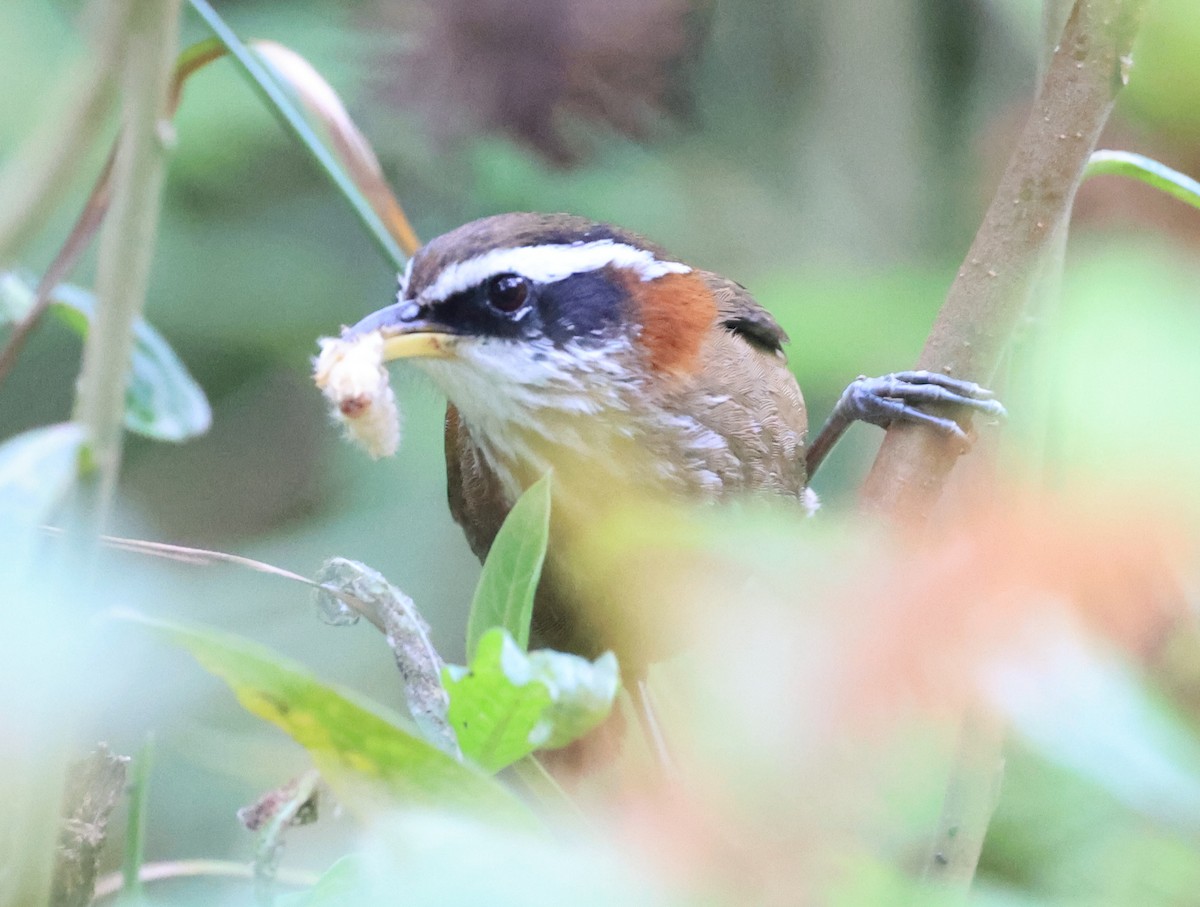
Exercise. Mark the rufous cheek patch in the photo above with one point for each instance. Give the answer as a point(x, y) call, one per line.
point(676, 313)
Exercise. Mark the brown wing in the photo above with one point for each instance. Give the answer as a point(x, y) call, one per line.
point(761, 413)
point(741, 313)
point(477, 502)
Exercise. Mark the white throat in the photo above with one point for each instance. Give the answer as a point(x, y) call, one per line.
point(576, 409)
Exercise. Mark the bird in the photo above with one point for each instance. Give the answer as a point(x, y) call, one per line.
point(570, 345)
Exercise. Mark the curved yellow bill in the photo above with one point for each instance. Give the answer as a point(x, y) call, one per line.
point(406, 337)
point(418, 344)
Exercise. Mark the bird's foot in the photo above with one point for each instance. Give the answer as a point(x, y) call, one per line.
point(898, 396)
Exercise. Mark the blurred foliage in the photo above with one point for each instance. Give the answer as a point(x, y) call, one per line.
point(163, 401)
point(833, 156)
point(366, 755)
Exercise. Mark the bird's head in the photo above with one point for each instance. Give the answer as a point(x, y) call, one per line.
point(530, 318)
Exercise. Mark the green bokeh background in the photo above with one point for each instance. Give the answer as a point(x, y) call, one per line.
point(836, 162)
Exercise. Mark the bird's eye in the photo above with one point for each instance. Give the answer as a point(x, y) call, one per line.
point(507, 293)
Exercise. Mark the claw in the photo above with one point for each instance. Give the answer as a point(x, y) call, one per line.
point(897, 398)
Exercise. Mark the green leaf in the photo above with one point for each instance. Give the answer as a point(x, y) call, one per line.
point(163, 401)
point(1148, 170)
point(504, 596)
point(509, 703)
point(363, 752)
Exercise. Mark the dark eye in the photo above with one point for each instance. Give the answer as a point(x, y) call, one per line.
point(507, 293)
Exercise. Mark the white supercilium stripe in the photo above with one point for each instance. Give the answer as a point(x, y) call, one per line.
point(547, 264)
point(405, 277)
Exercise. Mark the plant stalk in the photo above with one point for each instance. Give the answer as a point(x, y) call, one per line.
point(1030, 209)
point(39, 173)
point(127, 240)
point(1009, 271)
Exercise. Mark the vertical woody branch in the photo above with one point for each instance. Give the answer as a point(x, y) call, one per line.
point(127, 241)
point(1023, 229)
point(1031, 206)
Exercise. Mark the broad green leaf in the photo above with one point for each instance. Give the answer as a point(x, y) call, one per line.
point(504, 596)
point(361, 751)
point(163, 401)
point(1148, 170)
point(510, 703)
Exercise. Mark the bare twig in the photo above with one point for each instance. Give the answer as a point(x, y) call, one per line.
point(1032, 204)
point(92, 216)
point(349, 145)
point(1054, 20)
point(94, 786)
point(407, 636)
point(1023, 231)
point(77, 241)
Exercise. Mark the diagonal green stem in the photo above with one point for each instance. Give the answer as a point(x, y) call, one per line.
point(293, 119)
point(1149, 171)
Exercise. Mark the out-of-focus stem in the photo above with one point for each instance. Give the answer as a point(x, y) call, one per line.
point(192, 869)
point(971, 796)
point(38, 174)
point(1013, 260)
point(127, 239)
